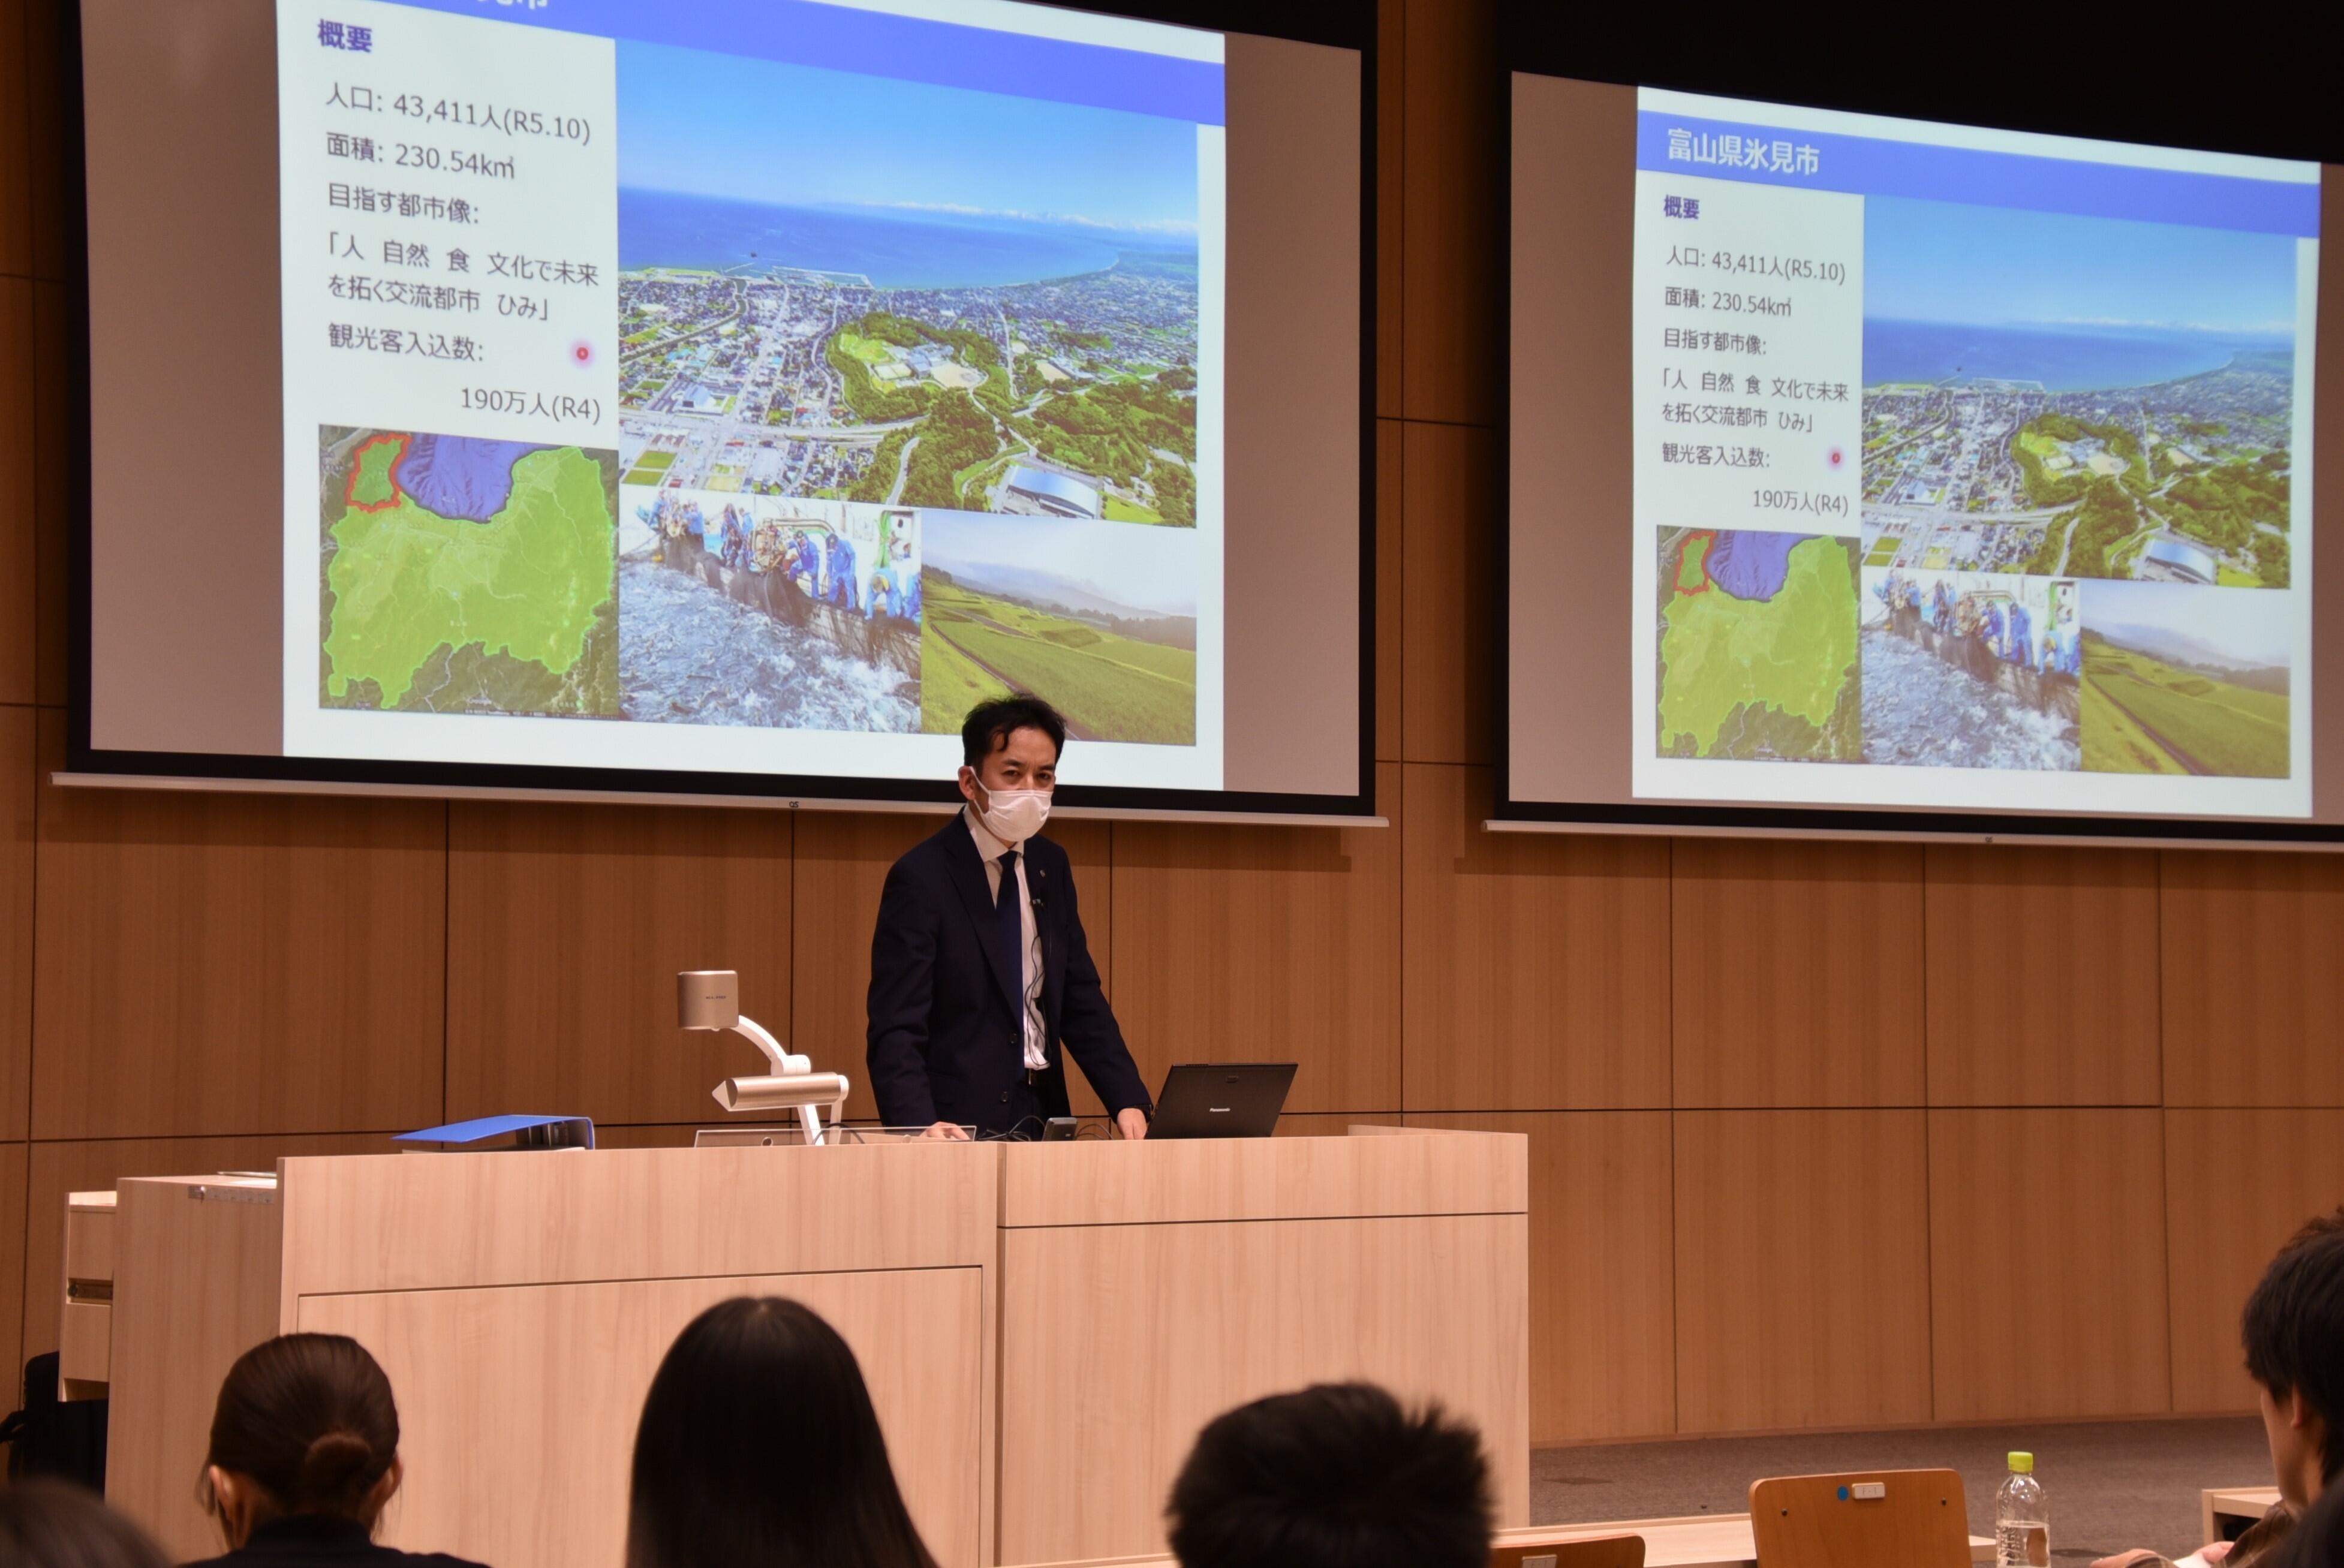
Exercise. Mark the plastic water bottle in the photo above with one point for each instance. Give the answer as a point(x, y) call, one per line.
point(2022, 1518)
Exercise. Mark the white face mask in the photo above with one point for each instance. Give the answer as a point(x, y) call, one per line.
point(1013, 816)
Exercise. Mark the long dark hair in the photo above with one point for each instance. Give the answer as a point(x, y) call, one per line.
point(309, 1418)
point(758, 1448)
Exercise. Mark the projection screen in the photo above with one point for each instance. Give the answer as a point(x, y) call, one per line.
point(721, 399)
point(1885, 474)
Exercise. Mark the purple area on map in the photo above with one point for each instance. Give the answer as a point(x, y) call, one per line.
point(1751, 565)
point(462, 476)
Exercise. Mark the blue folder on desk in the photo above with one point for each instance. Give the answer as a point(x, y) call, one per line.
point(494, 1132)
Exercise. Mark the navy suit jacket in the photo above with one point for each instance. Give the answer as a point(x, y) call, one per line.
point(946, 1034)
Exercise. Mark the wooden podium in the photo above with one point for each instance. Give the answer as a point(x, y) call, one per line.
point(1043, 1327)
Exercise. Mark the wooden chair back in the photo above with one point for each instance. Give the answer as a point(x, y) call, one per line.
point(1915, 1519)
point(1603, 1552)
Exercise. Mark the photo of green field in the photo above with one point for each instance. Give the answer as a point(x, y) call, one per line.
point(1096, 621)
point(2181, 679)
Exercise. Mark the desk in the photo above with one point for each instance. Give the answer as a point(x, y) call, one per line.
point(2226, 1511)
point(1703, 1541)
point(1043, 1326)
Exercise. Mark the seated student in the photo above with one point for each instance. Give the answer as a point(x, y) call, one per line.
point(758, 1448)
point(304, 1455)
point(54, 1525)
point(1337, 1476)
point(2293, 1326)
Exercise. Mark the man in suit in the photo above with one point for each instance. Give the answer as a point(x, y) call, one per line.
point(982, 982)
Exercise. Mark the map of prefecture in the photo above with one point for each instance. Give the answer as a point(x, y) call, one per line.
point(464, 575)
point(1758, 647)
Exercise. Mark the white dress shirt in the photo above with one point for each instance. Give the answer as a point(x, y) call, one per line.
point(990, 850)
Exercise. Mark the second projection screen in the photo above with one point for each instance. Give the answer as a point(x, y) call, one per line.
point(1971, 469)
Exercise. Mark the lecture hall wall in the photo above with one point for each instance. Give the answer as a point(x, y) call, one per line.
point(1821, 1135)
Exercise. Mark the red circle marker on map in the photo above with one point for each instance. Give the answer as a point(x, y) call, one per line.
point(581, 353)
point(1837, 458)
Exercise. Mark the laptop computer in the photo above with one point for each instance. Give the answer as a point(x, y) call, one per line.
point(1221, 1099)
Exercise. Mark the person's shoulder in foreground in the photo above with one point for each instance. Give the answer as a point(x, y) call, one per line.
point(300, 1539)
point(54, 1524)
point(1338, 1475)
point(2318, 1539)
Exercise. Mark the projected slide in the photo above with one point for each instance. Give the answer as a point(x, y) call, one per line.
point(751, 385)
point(1971, 469)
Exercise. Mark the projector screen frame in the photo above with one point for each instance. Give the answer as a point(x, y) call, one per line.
point(1331, 23)
point(2281, 117)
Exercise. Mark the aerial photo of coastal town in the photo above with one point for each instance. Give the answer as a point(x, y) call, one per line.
point(2128, 427)
point(904, 294)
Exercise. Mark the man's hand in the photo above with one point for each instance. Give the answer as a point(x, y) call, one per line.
point(1132, 1122)
point(2138, 1557)
point(947, 1129)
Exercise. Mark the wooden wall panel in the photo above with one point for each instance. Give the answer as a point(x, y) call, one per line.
point(17, 603)
point(840, 865)
point(57, 1168)
point(566, 927)
point(2245, 1180)
point(1452, 596)
point(1796, 971)
point(1391, 614)
point(15, 1158)
point(49, 135)
point(1802, 1269)
point(2046, 1232)
point(16, 148)
point(1265, 944)
point(235, 962)
point(1391, 236)
point(1452, 132)
point(54, 487)
point(1603, 1294)
point(18, 857)
point(2254, 997)
point(1534, 966)
point(2037, 992)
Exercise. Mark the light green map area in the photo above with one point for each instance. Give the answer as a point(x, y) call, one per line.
point(1761, 679)
point(515, 616)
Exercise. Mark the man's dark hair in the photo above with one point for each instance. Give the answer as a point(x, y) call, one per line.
point(990, 725)
point(1337, 1476)
point(2294, 1332)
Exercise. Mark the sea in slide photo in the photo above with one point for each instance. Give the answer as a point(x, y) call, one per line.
point(675, 229)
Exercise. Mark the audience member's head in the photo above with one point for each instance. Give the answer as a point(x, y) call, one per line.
point(2318, 1224)
point(2294, 1331)
point(1337, 1476)
point(306, 1426)
point(54, 1524)
point(758, 1448)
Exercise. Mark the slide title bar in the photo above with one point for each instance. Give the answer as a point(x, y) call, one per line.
point(1758, 153)
point(909, 48)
